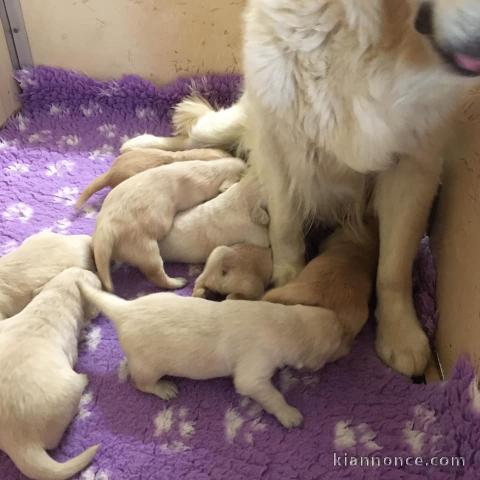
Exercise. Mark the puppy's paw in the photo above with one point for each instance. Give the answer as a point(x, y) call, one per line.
point(166, 390)
point(402, 344)
point(289, 417)
point(199, 292)
point(176, 283)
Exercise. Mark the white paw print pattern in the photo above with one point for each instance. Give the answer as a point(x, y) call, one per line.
point(88, 211)
point(422, 432)
point(91, 109)
point(58, 110)
point(39, 137)
point(58, 169)
point(122, 370)
point(102, 153)
point(60, 226)
point(17, 168)
point(144, 113)
point(66, 195)
point(245, 420)
point(93, 473)
point(8, 247)
point(22, 122)
point(4, 144)
point(173, 426)
point(18, 211)
point(84, 407)
point(68, 141)
point(92, 338)
point(108, 130)
point(348, 436)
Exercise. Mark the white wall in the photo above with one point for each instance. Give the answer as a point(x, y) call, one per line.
point(157, 39)
point(8, 91)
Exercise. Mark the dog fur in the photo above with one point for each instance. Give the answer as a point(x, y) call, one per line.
point(40, 258)
point(39, 390)
point(165, 334)
point(140, 211)
point(340, 279)
point(321, 133)
point(239, 272)
point(132, 162)
point(236, 216)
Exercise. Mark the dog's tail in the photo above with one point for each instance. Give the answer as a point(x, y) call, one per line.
point(107, 303)
point(187, 113)
point(103, 242)
point(97, 184)
point(34, 462)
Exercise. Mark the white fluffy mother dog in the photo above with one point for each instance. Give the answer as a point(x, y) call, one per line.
point(39, 390)
point(341, 95)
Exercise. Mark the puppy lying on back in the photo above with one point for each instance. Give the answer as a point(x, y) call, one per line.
point(140, 212)
point(236, 216)
point(340, 279)
point(241, 272)
point(132, 162)
point(165, 334)
point(40, 258)
point(39, 390)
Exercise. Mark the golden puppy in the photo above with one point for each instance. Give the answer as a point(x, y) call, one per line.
point(340, 279)
point(40, 258)
point(39, 390)
point(140, 211)
point(132, 162)
point(241, 272)
point(166, 334)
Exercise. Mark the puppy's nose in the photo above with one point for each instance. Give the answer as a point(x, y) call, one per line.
point(213, 295)
point(424, 20)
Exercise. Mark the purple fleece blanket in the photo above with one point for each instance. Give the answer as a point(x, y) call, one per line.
point(68, 132)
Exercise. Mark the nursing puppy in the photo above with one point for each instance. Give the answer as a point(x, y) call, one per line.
point(132, 162)
point(140, 211)
point(320, 132)
point(40, 258)
point(341, 279)
point(236, 216)
point(39, 390)
point(164, 334)
point(241, 272)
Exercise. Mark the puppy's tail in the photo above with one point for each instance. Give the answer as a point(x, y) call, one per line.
point(34, 462)
point(103, 241)
point(187, 113)
point(107, 303)
point(97, 184)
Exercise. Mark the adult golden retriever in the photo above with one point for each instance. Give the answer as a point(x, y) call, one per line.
point(341, 96)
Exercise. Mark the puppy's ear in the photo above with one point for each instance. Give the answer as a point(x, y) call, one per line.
point(260, 215)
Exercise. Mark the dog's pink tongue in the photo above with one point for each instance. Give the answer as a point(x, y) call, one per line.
point(467, 62)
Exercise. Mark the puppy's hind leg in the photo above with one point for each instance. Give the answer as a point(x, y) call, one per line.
point(146, 256)
point(255, 382)
point(148, 383)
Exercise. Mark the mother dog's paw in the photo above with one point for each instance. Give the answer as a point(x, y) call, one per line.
point(403, 346)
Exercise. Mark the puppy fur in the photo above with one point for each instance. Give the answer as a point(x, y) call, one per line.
point(39, 390)
point(140, 211)
point(341, 279)
point(40, 258)
point(241, 272)
point(238, 215)
point(164, 334)
point(132, 162)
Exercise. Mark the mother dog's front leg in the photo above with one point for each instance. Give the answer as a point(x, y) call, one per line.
point(403, 199)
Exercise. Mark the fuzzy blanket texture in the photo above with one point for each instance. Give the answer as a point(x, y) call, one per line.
point(68, 132)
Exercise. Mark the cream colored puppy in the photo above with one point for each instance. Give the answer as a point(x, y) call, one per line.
point(165, 334)
point(40, 258)
point(140, 212)
point(241, 272)
point(132, 162)
point(238, 215)
point(39, 390)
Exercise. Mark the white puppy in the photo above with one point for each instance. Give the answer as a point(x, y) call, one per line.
point(236, 216)
point(40, 258)
point(140, 211)
point(241, 272)
point(165, 334)
point(39, 390)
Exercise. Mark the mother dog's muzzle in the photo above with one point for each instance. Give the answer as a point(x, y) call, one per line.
point(454, 32)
